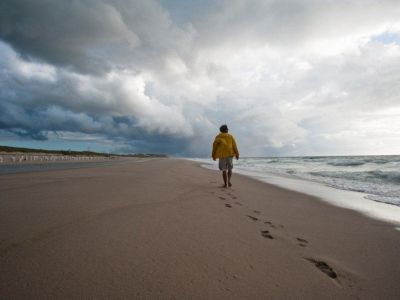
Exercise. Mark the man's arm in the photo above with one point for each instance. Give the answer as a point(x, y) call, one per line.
point(235, 149)
point(214, 150)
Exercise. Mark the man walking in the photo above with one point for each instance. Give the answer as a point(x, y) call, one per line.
point(224, 148)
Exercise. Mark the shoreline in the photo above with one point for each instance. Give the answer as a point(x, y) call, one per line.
point(163, 228)
point(346, 199)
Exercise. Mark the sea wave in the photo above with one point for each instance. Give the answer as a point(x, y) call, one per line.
point(375, 176)
point(346, 163)
point(386, 176)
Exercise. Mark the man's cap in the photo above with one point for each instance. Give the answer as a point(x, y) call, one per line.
point(223, 128)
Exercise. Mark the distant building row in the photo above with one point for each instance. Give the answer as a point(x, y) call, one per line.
point(23, 158)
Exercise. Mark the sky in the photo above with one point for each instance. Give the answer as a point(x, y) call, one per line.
point(289, 77)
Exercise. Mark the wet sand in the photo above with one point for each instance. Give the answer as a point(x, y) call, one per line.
point(164, 229)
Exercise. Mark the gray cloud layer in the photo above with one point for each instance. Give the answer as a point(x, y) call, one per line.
point(289, 77)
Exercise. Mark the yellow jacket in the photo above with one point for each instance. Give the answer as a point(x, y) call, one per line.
point(224, 146)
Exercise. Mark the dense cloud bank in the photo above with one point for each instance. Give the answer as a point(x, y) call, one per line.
point(289, 77)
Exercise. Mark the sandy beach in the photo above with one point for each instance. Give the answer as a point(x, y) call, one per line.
point(165, 229)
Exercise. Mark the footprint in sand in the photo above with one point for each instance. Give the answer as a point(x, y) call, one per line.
point(302, 242)
point(232, 196)
point(228, 205)
point(222, 198)
point(270, 224)
point(266, 234)
point(252, 218)
point(323, 267)
point(238, 203)
point(273, 225)
point(257, 211)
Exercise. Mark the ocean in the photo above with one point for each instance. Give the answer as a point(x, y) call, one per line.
point(375, 178)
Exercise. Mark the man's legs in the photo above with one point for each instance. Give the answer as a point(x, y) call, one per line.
point(225, 177)
point(226, 165)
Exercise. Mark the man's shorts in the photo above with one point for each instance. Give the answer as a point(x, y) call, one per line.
point(226, 163)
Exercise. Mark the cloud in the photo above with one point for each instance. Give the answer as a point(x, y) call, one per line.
point(289, 77)
point(39, 88)
point(288, 23)
point(90, 36)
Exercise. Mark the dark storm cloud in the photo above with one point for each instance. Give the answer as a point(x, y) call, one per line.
point(90, 36)
point(36, 123)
